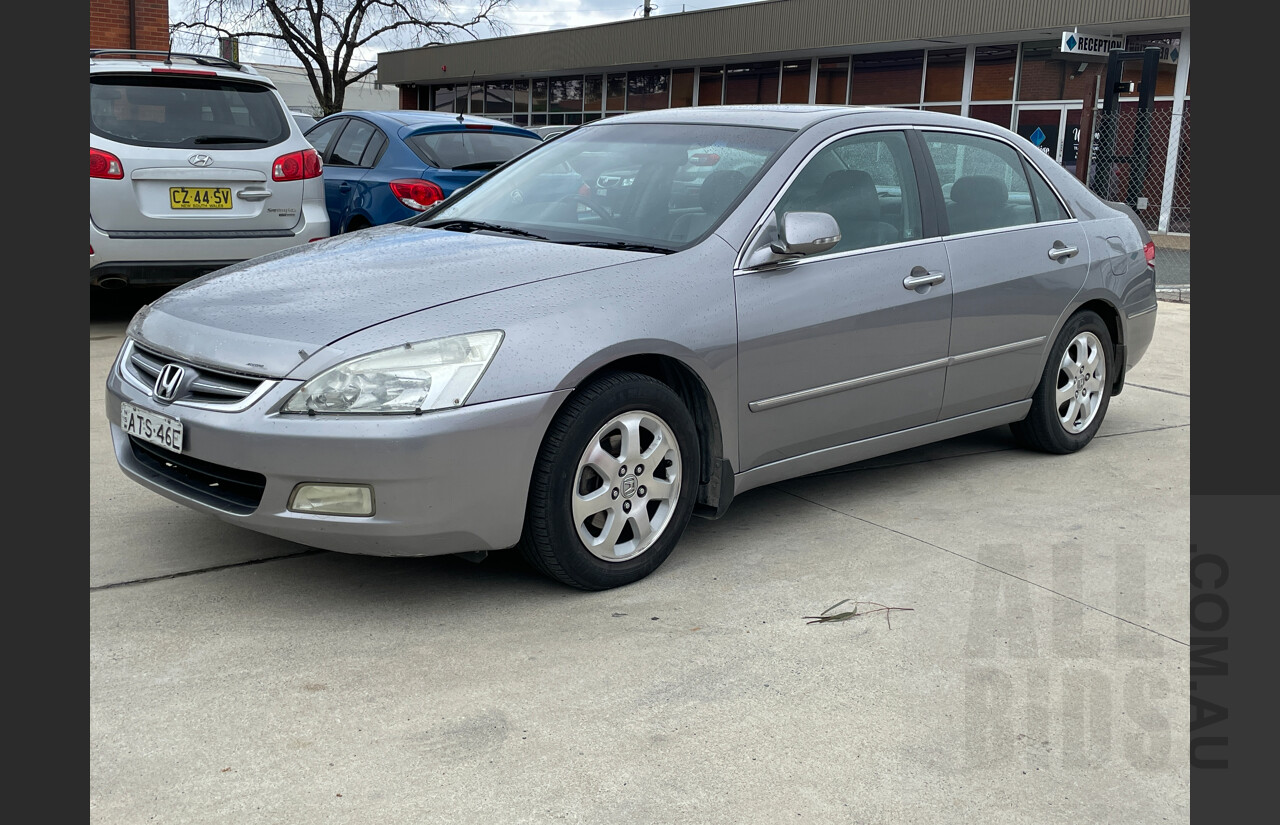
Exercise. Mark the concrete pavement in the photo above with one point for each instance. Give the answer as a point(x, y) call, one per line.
point(1039, 675)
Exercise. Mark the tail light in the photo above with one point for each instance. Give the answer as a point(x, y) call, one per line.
point(416, 194)
point(104, 165)
point(1150, 252)
point(297, 166)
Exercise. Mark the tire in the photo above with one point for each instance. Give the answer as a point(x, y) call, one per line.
point(594, 535)
point(1074, 392)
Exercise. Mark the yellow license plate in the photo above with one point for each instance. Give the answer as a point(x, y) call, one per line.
point(199, 197)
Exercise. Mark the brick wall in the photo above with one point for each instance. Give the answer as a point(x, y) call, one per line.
point(109, 24)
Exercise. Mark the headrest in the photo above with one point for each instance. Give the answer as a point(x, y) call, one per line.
point(855, 193)
point(719, 188)
point(980, 191)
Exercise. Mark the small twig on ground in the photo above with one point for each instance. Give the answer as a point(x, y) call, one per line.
point(822, 617)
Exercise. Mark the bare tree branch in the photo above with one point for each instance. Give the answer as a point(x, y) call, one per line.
point(327, 36)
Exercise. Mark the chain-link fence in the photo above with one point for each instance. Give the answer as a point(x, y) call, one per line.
point(1143, 158)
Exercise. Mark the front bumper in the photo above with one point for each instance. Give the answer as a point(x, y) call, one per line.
point(444, 482)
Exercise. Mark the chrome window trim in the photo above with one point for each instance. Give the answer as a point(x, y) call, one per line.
point(853, 383)
point(266, 385)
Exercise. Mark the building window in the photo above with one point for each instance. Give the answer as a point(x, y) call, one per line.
point(994, 68)
point(1001, 114)
point(833, 81)
point(887, 78)
point(616, 93)
point(1166, 69)
point(944, 75)
point(795, 81)
point(540, 98)
point(499, 98)
point(681, 87)
point(566, 94)
point(593, 93)
point(1048, 74)
point(648, 90)
point(747, 83)
point(710, 85)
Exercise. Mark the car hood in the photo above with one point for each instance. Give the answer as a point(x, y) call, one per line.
point(269, 314)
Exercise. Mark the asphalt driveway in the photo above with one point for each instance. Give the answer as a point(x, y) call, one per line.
point(1037, 671)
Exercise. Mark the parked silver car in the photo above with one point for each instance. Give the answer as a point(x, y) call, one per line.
point(522, 367)
point(194, 163)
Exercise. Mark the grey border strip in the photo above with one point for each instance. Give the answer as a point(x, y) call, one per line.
point(902, 372)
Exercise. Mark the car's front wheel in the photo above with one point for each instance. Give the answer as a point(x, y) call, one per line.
point(1074, 391)
point(613, 486)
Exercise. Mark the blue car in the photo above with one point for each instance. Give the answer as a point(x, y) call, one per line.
point(381, 167)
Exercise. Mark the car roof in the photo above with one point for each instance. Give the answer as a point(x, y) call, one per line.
point(128, 61)
point(423, 117)
point(782, 116)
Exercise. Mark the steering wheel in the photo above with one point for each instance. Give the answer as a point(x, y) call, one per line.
point(593, 204)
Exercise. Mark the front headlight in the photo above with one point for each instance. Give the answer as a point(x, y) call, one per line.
point(428, 375)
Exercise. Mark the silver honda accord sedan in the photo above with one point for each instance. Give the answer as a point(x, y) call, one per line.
point(632, 324)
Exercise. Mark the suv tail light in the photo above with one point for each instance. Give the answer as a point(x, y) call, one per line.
point(1150, 252)
point(104, 165)
point(416, 194)
point(297, 166)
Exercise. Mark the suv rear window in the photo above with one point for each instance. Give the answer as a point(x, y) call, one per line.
point(473, 149)
point(178, 112)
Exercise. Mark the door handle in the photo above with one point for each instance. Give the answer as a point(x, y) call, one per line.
point(922, 277)
point(1059, 250)
point(253, 194)
point(344, 187)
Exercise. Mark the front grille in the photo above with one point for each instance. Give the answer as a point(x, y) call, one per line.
point(236, 491)
point(200, 385)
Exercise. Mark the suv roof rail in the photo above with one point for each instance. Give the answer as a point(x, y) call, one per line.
point(201, 59)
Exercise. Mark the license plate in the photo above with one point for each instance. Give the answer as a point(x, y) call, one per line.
point(160, 430)
point(199, 197)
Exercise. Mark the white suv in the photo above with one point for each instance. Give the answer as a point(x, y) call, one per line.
point(195, 163)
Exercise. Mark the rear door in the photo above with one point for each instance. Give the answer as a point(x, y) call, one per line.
point(1017, 258)
point(351, 155)
point(198, 150)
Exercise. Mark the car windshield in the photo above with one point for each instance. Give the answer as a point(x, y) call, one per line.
point(655, 186)
point(185, 112)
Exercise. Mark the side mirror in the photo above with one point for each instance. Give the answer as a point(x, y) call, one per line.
point(806, 233)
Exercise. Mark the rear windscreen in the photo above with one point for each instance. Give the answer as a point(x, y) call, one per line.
point(470, 149)
point(184, 112)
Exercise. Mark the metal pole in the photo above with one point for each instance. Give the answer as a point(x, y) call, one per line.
point(1175, 129)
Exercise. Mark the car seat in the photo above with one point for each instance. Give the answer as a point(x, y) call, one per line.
point(850, 196)
point(718, 190)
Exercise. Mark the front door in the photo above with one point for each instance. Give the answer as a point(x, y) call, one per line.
point(852, 343)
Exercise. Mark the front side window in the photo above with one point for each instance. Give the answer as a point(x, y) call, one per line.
point(983, 182)
point(867, 183)
point(351, 145)
point(183, 112)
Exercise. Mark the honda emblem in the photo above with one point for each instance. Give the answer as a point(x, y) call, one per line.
point(168, 381)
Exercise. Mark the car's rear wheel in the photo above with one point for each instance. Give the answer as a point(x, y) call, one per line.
point(1071, 400)
point(613, 485)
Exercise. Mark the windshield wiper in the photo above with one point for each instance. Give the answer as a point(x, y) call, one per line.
point(624, 245)
point(460, 225)
point(229, 139)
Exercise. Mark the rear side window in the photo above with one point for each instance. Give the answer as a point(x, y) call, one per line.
point(983, 182)
point(471, 149)
point(184, 112)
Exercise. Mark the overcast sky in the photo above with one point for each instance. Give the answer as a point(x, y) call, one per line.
point(521, 17)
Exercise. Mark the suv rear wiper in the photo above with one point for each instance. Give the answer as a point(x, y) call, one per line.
point(629, 247)
point(461, 225)
point(230, 139)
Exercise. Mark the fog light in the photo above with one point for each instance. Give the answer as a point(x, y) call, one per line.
point(332, 499)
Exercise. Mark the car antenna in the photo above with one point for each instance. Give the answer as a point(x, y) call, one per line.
point(469, 82)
